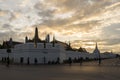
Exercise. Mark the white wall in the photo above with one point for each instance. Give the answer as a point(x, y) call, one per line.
point(50, 53)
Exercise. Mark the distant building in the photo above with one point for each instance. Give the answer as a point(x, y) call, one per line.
point(9, 44)
point(37, 51)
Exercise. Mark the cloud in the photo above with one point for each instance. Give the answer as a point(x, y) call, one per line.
point(111, 32)
point(82, 20)
point(7, 26)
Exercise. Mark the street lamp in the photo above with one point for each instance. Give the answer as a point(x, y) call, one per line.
point(8, 61)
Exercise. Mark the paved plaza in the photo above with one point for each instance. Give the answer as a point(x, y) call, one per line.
point(108, 70)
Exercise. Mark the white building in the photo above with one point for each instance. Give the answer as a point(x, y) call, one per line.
point(42, 55)
point(41, 52)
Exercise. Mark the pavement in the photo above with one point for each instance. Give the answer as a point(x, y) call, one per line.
point(108, 70)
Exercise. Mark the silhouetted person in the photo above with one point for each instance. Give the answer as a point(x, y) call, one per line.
point(81, 61)
point(119, 57)
point(58, 60)
point(53, 62)
point(28, 62)
point(75, 60)
point(35, 60)
point(2, 60)
point(5, 59)
point(87, 59)
point(99, 60)
point(70, 61)
point(21, 60)
point(49, 62)
point(44, 59)
point(8, 62)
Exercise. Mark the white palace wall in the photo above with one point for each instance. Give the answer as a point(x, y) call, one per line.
point(44, 55)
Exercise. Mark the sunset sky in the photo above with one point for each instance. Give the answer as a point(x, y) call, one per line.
point(82, 22)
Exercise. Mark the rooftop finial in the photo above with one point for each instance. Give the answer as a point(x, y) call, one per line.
point(36, 36)
point(96, 45)
point(53, 40)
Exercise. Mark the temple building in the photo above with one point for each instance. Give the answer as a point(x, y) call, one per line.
point(96, 52)
point(36, 38)
point(37, 51)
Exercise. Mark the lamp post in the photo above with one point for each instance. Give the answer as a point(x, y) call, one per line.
point(8, 61)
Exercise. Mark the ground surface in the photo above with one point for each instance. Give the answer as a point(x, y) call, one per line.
point(108, 70)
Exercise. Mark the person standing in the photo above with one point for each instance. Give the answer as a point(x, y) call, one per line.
point(70, 61)
point(81, 61)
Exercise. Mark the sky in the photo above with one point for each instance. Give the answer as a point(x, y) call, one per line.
point(82, 22)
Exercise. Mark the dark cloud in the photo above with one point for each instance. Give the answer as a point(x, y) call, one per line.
point(6, 35)
point(6, 26)
point(43, 11)
point(112, 42)
point(46, 14)
point(82, 7)
point(87, 26)
point(110, 35)
point(12, 16)
point(111, 32)
point(39, 6)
